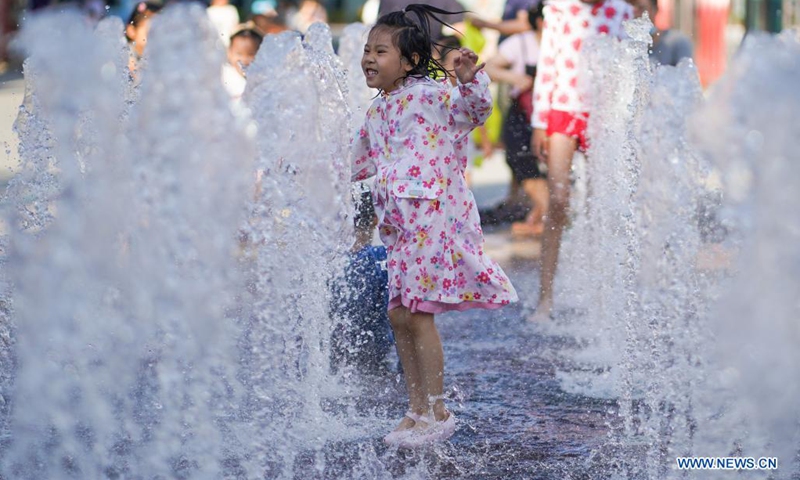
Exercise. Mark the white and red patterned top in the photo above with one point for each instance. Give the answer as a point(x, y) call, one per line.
point(567, 23)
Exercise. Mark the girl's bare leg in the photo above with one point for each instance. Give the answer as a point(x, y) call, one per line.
point(561, 150)
point(430, 360)
point(404, 342)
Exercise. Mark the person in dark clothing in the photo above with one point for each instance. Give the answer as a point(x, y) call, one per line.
point(669, 46)
point(515, 64)
point(514, 19)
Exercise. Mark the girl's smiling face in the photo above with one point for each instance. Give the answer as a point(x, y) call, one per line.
point(382, 64)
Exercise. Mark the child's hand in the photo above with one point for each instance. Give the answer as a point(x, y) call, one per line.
point(523, 82)
point(540, 143)
point(464, 65)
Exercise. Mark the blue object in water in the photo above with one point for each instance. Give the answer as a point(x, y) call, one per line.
point(362, 336)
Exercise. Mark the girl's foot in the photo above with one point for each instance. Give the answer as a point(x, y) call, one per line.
point(543, 313)
point(430, 430)
point(406, 426)
point(407, 422)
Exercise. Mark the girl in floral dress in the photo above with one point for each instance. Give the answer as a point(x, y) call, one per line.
point(427, 216)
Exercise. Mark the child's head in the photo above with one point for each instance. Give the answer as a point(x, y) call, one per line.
point(138, 25)
point(445, 52)
point(243, 48)
point(400, 46)
point(536, 16)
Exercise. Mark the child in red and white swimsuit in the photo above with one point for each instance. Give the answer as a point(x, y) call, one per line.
point(560, 112)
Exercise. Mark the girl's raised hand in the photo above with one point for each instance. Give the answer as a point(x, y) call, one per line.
point(465, 65)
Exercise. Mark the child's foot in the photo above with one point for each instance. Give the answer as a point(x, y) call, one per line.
point(430, 430)
point(543, 312)
point(405, 427)
point(527, 229)
point(408, 422)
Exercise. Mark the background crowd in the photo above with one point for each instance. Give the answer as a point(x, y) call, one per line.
point(509, 42)
point(716, 26)
point(504, 33)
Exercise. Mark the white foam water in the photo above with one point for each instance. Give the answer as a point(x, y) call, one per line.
point(699, 353)
point(124, 249)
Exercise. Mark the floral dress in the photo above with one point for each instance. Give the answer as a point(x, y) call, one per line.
point(427, 217)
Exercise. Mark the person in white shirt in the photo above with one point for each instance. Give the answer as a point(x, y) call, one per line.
point(225, 18)
point(244, 45)
point(309, 12)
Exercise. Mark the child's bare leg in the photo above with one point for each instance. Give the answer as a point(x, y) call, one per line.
point(536, 189)
point(561, 150)
point(430, 359)
point(404, 342)
point(540, 194)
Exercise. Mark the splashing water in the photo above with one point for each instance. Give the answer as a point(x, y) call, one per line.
point(351, 48)
point(654, 335)
point(753, 390)
point(298, 233)
point(130, 277)
point(167, 262)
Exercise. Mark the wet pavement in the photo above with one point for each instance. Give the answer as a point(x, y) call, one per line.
point(515, 422)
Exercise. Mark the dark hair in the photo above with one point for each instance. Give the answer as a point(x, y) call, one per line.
point(411, 34)
point(248, 34)
point(364, 210)
point(142, 11)
point(535, 13)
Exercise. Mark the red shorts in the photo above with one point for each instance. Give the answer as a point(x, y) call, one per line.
point(571, 124)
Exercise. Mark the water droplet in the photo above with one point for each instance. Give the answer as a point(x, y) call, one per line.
point(754, 141)
point(109, 71)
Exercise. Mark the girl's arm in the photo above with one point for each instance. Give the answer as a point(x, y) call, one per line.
point(363, 162)
point(470, 101)
point(515, 25)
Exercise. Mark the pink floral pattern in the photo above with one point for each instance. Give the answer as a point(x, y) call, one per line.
point(567, 24)
point(412, 142)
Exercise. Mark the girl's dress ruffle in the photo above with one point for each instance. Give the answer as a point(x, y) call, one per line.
point(434, 307)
